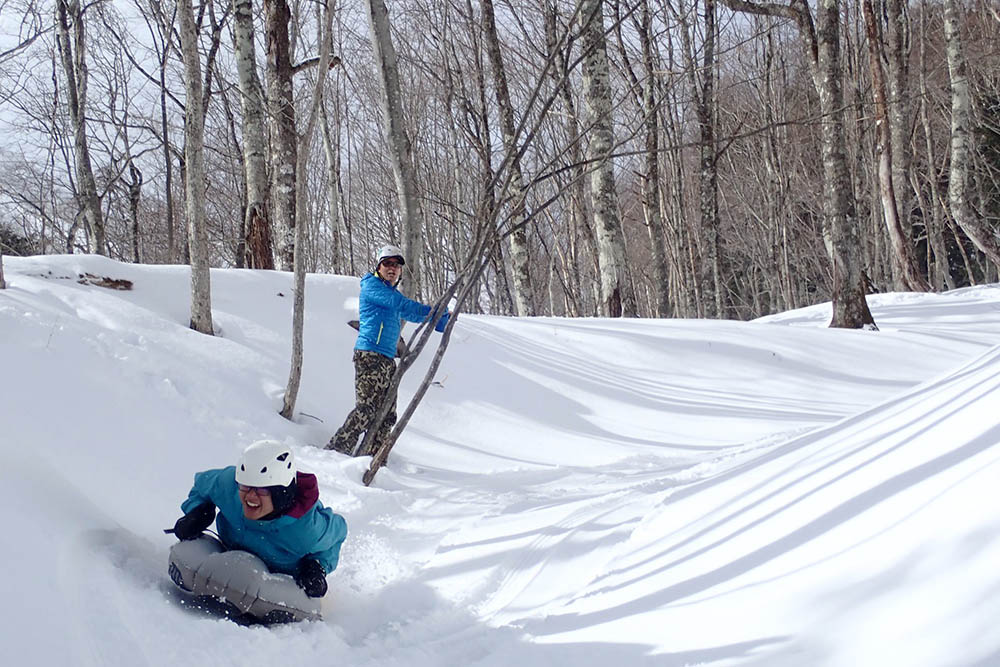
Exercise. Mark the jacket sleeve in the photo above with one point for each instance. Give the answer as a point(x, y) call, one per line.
point(376, 292)
point(206, 489)
point(333, 531)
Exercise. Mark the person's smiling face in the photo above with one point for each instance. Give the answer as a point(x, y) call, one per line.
point(256, 502)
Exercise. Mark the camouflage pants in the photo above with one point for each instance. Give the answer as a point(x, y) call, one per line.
point(372, 375)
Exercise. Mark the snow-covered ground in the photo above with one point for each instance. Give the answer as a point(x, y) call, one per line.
point(571, 492)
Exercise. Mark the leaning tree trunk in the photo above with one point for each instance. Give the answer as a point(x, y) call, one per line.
point(959, 179)
point(72, 52)
point(282, 116)
point(194, 172)
point(400, 149)
point(519, 257)
point(617, 298)
point(260, 253)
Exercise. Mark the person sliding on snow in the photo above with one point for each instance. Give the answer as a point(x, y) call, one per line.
point(270, 509)
point(380, 310)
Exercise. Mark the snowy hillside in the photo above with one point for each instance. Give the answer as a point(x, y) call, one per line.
point(571, 492)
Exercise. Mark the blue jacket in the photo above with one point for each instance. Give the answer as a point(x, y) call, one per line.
point(380, 310)
point(306, 529)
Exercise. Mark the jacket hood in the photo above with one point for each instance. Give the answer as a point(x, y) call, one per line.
point(308, 494)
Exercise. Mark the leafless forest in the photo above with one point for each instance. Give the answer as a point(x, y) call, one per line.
point(683, 158)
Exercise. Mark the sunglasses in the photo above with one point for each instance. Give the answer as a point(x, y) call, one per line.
point(391, 263)
point(261, 490)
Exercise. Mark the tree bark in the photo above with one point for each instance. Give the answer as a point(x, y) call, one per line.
point(519, 256)
point(134, 193)
point(616, 297)
point(400, 149)
point(282, 117)
point(335, 213)
point(580, 225)
point(194, 172)
point(651, 201)
point(904, 263)
point(72, 52)
point(959, 178)
point(701, 76)
point(3, 285)
point(822, 43)
point(298, 309)
point(259, 247)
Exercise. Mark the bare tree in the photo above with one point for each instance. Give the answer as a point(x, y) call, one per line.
point(519, 257)
point(646, 100)
point(305, 141)
point(282, 116)
point(194, 173)
point(904, 263)
point(822, 44)
point(959, 180)
point(260, 254)
point(617, 297)
point(71, 37)
point(400, 150)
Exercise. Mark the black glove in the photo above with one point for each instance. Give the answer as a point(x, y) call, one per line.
point(189, 526)
point(311, 577)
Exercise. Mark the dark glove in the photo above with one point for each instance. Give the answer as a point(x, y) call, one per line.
point(189, 526)
point(443, 322)
point(311, 577)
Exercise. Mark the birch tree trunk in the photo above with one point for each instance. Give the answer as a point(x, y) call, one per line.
point(260, 252)
point(3, 285)
point(72, 53)
point(580, 225)
point(905, 270)
point(959, 179)
point(519, 257)
point(282, 117)
point(822, 45)
point(616, 295)
point(194, 172)
point(651, 200)
point(298, 310)
point(400, 149)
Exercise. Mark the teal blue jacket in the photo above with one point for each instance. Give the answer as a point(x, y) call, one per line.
point(380, 309)
point(307, 529)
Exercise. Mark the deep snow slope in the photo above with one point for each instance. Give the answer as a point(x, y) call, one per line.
point(590, 491)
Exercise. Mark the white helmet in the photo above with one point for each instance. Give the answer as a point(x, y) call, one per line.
point(387, 251)
point(266, 463)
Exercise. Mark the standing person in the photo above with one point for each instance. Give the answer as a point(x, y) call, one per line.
point(269, 508)
point(381, 310)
